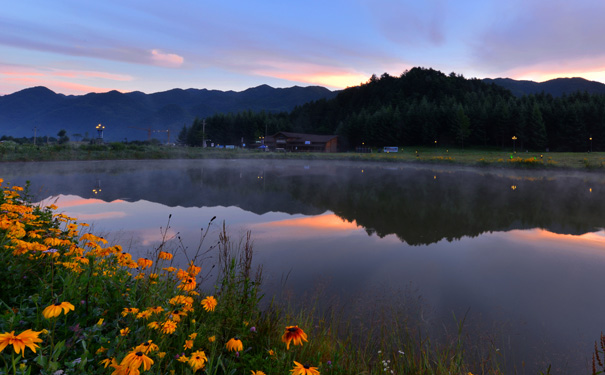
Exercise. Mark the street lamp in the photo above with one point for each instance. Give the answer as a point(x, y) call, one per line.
point(100, 131)
point(514, 139)
point(590, 143)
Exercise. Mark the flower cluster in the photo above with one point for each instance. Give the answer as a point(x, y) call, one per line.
point(130, 322)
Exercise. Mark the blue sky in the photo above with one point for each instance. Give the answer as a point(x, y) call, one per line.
point(81, 46)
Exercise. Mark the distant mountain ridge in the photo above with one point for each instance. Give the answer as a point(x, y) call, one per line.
point(555, 87)
point(125, 114)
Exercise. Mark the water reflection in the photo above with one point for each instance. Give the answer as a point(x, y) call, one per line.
point(523, 251)
point(420, 206)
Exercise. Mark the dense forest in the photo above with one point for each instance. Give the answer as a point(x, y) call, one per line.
point(424, 107)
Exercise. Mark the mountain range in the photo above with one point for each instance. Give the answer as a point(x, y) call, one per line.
point(137, 116)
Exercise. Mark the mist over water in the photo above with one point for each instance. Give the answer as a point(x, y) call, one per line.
point(520, 252)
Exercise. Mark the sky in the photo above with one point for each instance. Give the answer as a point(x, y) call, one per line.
point(75, 47)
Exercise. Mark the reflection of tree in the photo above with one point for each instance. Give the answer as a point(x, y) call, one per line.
point(420, 206)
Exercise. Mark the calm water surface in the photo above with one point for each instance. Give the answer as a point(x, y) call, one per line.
point(521, 253)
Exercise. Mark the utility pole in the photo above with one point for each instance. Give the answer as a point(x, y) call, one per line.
point(35, 130)
point(204, 133)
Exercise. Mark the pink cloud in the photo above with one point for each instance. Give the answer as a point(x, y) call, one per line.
point(65, 81)
point(169, 60)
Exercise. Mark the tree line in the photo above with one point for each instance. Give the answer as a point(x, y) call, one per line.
point(424, 107)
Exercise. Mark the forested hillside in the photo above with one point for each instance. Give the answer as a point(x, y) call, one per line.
point(424, 107)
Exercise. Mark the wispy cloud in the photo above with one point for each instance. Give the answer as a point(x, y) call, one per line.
point(553, 36)
point(166, 59)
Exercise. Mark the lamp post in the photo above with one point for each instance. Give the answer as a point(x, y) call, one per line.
point(514, 139)
point(100, 131)
point(590, 143)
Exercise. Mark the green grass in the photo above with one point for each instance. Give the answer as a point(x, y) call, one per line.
point(117, 308)
point(10, 151)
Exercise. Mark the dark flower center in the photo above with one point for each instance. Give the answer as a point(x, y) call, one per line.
point(306, 366)
point(57, 303)
point(292, 330)
point(140, 354)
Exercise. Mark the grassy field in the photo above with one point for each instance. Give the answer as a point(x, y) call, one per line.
point(10, 151)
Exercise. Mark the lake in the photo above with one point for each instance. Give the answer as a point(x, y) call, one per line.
point(520, 253)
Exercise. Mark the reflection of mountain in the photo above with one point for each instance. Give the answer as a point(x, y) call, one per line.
point(420, 206)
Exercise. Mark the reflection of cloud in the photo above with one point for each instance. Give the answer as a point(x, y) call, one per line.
point(300, 226)
point(151, 236)
point(587, 242)
point(166, 59)
point(100, 215)
point(64, 201)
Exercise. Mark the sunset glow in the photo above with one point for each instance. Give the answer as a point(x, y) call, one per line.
point(78, 47)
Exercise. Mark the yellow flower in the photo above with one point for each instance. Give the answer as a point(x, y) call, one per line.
point(146, 347)
point(161, 354)
point(156, 310)
point(197, 360)
point(303, 369)
point(134, 360)
point(125, 331)
point(295, 334)
point(153, 325)
point(188, 283)
point(212, 338)
point(107, 361)
point(193, 336)
point(100, 322)
point(234, 344)
point(257, 372)
point(56, 309)
point(129, 310)
point(144, 314)
point(144, 263)
point(168, 327)
point(164, 255)
point(209, 303)
point(101, 350)
point(188, 344)
point(193, 270)
point(27, 338)
point(182, 358)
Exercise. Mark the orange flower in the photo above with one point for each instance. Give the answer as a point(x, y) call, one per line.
point(293, 334)
point(27, 338)
point(209, 303)
point(146, 347)
point(188, 344)
point(303, 369)
point(125, 331)
point(234, 344)
point(134, 360)
point(197, 360)
point(188, 283)
point(55, 310)
point(144, 263)
point(164, 255)
point(168, 327)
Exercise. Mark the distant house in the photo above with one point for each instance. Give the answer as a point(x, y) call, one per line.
point(298, 142)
